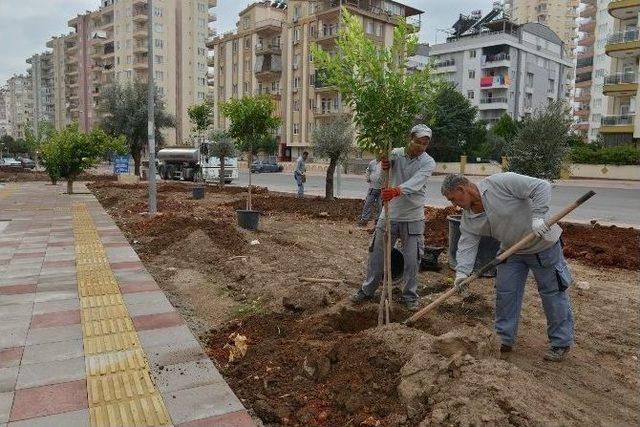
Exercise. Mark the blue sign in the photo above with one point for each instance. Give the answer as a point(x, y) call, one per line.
point(121, 164)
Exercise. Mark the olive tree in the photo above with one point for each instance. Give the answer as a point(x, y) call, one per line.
point(222, 146)
point(541, 144)
point(333, 140)
point(384, 97)
point(252, 119)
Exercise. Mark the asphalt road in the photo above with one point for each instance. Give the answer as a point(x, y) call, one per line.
point(614, 203)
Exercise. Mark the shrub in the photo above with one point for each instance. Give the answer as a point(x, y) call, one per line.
point(597, 155)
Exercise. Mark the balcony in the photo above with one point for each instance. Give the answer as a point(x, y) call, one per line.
point(140, 15)
point(140, 32)
point(583, 98)
point(617, 124)
point(494, 82)
point(623, 44)
point(588, 26)
point(274, 93)
point(587, 40)
point(212, 17)
point(588, 12)
point(497, 60)
point(494, 103)
point(268, 48)
point(327, 111)
point(268, 26)
point(327, 35)
point(446, 66)
point(140, 48)
point(624, 9)
point(620, 84)
point(583, 112)
point(141, 64)
point(211, 61)
point(583, 80)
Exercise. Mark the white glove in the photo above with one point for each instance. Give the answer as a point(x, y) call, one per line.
point(539, 227)
point(457, 283)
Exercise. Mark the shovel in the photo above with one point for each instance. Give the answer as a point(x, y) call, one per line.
point(498, 259)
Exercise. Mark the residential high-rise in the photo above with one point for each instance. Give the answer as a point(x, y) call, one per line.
point(621, 123)
point(591, 66)
point(4, 122)
point(270, 53)
point(111, 44)
point(61, 116)
point(502, 67)
point(41, 75)
point(559, 15)
point(19, 105)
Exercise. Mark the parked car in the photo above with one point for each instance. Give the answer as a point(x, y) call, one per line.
point(10, 162)
point(27, 163)
point(266, 166)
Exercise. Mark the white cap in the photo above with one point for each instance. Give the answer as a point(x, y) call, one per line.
point(421, 130)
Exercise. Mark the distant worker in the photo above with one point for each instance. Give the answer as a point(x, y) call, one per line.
point(300, 173)
point(406, 196)
point(373, 200)
point(507, 207)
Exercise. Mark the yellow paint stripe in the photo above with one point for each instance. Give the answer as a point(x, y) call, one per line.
point(119, 385)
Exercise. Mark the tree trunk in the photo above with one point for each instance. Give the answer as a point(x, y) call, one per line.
point(249, 195)
point(69, 186)
point(221, 173)
point(136, 162)
point(328, 188)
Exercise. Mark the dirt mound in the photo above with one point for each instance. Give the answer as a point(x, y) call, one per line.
point(8, 174)
point(602, 246)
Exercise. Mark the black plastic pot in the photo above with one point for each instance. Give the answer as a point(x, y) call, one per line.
point(397, 264)
point(487, 250)
point(248, 219)
point(198, 192)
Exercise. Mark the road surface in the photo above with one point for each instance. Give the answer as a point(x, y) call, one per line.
point(615, 202)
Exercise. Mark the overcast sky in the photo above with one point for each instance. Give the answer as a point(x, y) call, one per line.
point(26, 25)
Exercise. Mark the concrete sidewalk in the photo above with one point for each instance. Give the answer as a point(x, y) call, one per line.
point(86, 335)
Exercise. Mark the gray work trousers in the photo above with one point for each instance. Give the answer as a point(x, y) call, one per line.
point(372, 201)
point(300, 182)
point(553, 278)
point(411, 234)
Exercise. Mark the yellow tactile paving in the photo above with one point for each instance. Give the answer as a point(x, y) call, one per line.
point(119, 386)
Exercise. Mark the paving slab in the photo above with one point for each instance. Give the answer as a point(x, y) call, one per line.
point(87, 337)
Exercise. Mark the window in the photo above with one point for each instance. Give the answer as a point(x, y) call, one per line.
point(158, 27)
point(245, 87)
point(379, 30)
point(201, 81)
point(234, 89)
point(472, 74)
point(157, 11)
point(158, 43)
point(312, 104)
point(472, 53)
point(529, 79)
point(202, 66)
point(296, 105)
point(312, 79)
point(234, 46)
point(296, 35)
point(471, 94)
point(247, 42)
point(159, 59)
point(600, 72)
point(202, 7)
point(200, 95)
point(296, 128)
point(247, 64)
point(128, 59)
point(370, 25)
point(552, 86)
point(296, 82)
point(159, 75)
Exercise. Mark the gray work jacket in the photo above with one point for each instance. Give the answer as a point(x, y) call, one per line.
point(410, 174)
point(510, 203)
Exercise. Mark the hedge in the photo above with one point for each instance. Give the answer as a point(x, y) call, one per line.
point(595, 155)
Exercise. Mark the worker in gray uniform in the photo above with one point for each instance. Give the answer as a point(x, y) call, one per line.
point(373, 199)
point(507, 207)
point(406, 197)
point(300, 173)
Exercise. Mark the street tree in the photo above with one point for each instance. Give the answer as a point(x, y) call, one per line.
point(384, 97)
point(11, 146)
point(333, 140)
point(505, 127)
point(252, 119)
point(223, 147)
point(70, 152)
point(541, 144)
point(200, 116)
point(35, 140)
point(124, 108)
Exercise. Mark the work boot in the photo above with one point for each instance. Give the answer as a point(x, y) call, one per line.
point(413, 305)
point(504, 348)
point(556, 354)
point(360, 297)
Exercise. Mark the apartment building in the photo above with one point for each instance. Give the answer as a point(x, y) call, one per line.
point(4, 122)
point(621, 123)
point(502, 67)
point(19, 105)
point(559, 15)
point(591, 66)
point(40, 73)
point(61, 114)
point(270, 53)
point(111, 44)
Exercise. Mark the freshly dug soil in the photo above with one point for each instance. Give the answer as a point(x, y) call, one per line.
point(24, 175)
point(314, 359)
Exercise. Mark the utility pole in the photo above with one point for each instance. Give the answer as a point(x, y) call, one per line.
point(151, 131)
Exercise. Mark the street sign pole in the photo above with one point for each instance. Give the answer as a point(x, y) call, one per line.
point(151, 132)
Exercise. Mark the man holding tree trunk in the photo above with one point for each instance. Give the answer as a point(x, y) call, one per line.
point(406, 196)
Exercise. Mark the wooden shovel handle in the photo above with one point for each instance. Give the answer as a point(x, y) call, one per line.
point(498, 259)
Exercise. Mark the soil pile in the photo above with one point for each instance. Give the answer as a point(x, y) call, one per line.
point(8, 174)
